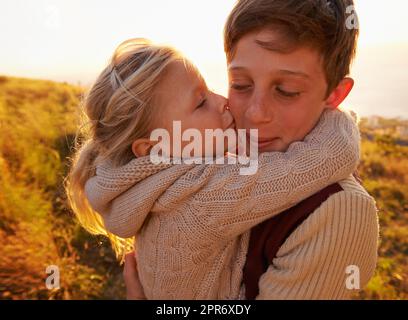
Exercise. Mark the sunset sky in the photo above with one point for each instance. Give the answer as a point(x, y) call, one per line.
point(71, 40)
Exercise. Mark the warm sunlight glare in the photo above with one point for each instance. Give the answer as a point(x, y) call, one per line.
point(72, 40)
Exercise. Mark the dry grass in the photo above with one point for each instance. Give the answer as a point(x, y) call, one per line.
point(38, 120)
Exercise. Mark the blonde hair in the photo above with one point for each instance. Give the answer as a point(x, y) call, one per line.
point(116, 111)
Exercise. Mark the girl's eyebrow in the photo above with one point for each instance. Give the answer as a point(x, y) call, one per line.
point(198, 86)
point(193, 93)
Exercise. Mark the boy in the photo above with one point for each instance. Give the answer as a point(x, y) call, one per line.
point(288, 61)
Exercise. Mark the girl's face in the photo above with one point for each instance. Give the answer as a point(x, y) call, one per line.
point(182, 95)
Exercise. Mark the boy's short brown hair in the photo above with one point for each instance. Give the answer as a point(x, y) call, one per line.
point(319, 24)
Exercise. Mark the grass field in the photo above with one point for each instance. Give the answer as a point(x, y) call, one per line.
point(38, 121)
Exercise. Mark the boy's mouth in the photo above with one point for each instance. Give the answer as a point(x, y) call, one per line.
point(262, 142)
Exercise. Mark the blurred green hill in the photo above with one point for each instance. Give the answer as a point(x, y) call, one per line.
point(38, 122)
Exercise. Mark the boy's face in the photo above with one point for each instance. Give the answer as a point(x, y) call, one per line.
point(280, 94)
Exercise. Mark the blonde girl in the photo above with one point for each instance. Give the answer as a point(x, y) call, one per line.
point(191, 221)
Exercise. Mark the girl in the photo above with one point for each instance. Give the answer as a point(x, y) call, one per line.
point(192, 221)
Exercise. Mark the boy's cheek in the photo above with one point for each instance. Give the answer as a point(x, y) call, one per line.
point(237, 107)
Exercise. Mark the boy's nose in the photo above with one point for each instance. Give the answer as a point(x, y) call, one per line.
point(259, 111)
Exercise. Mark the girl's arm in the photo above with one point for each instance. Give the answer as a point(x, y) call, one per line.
point(228, 204)
point(220, 203)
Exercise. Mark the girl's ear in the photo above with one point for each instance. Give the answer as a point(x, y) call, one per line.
point(141, 147)
point(340, 93)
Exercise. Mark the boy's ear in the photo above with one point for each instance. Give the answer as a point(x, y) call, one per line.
point(340, 93)
point(141, 147)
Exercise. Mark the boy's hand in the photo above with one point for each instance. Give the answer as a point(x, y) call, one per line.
point(134, 289)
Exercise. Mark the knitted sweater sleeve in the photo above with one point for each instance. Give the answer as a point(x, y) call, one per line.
point(231, 204)
point(329, 256)
point(219, 202)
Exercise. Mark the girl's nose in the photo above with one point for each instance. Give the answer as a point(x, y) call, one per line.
point(222, 104)
point(219, 103)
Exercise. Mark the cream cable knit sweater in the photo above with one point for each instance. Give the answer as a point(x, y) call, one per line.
point(192, 221)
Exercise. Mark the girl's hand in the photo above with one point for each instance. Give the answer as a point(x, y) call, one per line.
point(134, 289)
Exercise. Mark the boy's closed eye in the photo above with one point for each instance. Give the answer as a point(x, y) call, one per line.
point(279, 90)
